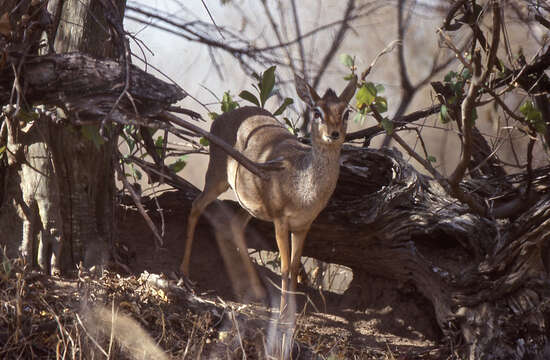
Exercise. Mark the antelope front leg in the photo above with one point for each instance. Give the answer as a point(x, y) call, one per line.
point(298, 240)
point(281, 234)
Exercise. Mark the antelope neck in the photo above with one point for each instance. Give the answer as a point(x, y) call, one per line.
point(317, 174)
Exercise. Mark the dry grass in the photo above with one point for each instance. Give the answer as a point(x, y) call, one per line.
point(108, 316)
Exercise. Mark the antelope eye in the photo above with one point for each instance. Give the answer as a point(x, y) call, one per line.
point(346, 115)
point(316, 114)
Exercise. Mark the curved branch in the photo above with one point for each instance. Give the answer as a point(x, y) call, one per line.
point(468, 105)
point(336, 42)
point(255, 168)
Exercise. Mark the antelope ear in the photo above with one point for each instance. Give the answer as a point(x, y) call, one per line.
point(306, 92)
point(349, 91)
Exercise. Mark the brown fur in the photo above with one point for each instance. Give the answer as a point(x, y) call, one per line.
point(291, 198)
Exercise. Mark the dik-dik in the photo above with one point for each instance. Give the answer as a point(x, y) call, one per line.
point(292, 197)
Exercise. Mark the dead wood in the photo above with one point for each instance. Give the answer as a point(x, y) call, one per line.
point(485, 278)
point(88, 86)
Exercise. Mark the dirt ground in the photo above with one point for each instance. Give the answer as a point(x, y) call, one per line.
point(387, 320)
point(135, 308)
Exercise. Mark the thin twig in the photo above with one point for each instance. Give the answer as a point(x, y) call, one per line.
point(403, 120)
point(336, 42)
point(258, 169)
point(386, 50)
point(278, 35)
point(91, 337)
point(447, 40)
point(135, 197)
point(468, 104)
point(212, 18)
point(425, 163)
point(299, 35)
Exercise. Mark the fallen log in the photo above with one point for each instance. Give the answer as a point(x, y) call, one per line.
point(485, 278)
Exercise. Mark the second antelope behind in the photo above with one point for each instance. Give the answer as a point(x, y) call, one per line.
point(291, 198)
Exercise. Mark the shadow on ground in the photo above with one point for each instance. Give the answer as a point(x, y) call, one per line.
point(383, 315)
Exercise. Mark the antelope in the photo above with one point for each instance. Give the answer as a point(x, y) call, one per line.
point(292, 197)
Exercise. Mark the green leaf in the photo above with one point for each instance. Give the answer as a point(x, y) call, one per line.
point(256, 76)
point(366, 94)
point(290, 125)
point(444, 114)
point(466, 74)
point(349, 77)
point(540, 126)
point(372, 88)
point(358, 118)
point(248, 96)
point(266, 84)
point(227, 103)
point(381, 104)
point(136, 173)
point(129, 134)
point(91, 132)
point(432, 159)
point(387, 124)
point(282, 108)
point(213, 115)
point(457, 87)
point(379, 88)
point(2, 149)
point(130, 142)
point(347, 60)
point(449, 76)
point(129, 129)
point(204, 141)
point(526, 108)
point(178, 165)
point(159, 144)
point(533, 116)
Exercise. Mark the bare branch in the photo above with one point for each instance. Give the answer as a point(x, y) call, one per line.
point(468, 104)
point(399, 121)
point(424, 162)
point(278, 34)
point(212, 18)
point(136, 198)
point(256, 168)
point(299, 35)
point(447, 40)
point(335, 43)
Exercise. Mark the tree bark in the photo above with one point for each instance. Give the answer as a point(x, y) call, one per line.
point(485, 278)
point(59, 202)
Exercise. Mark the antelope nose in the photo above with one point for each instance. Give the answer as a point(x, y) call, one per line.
point(335, 135)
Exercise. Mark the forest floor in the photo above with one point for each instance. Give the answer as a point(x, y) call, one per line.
point(133, 310)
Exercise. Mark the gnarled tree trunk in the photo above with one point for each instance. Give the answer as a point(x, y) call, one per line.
point(485, 278)
point(58, 207)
